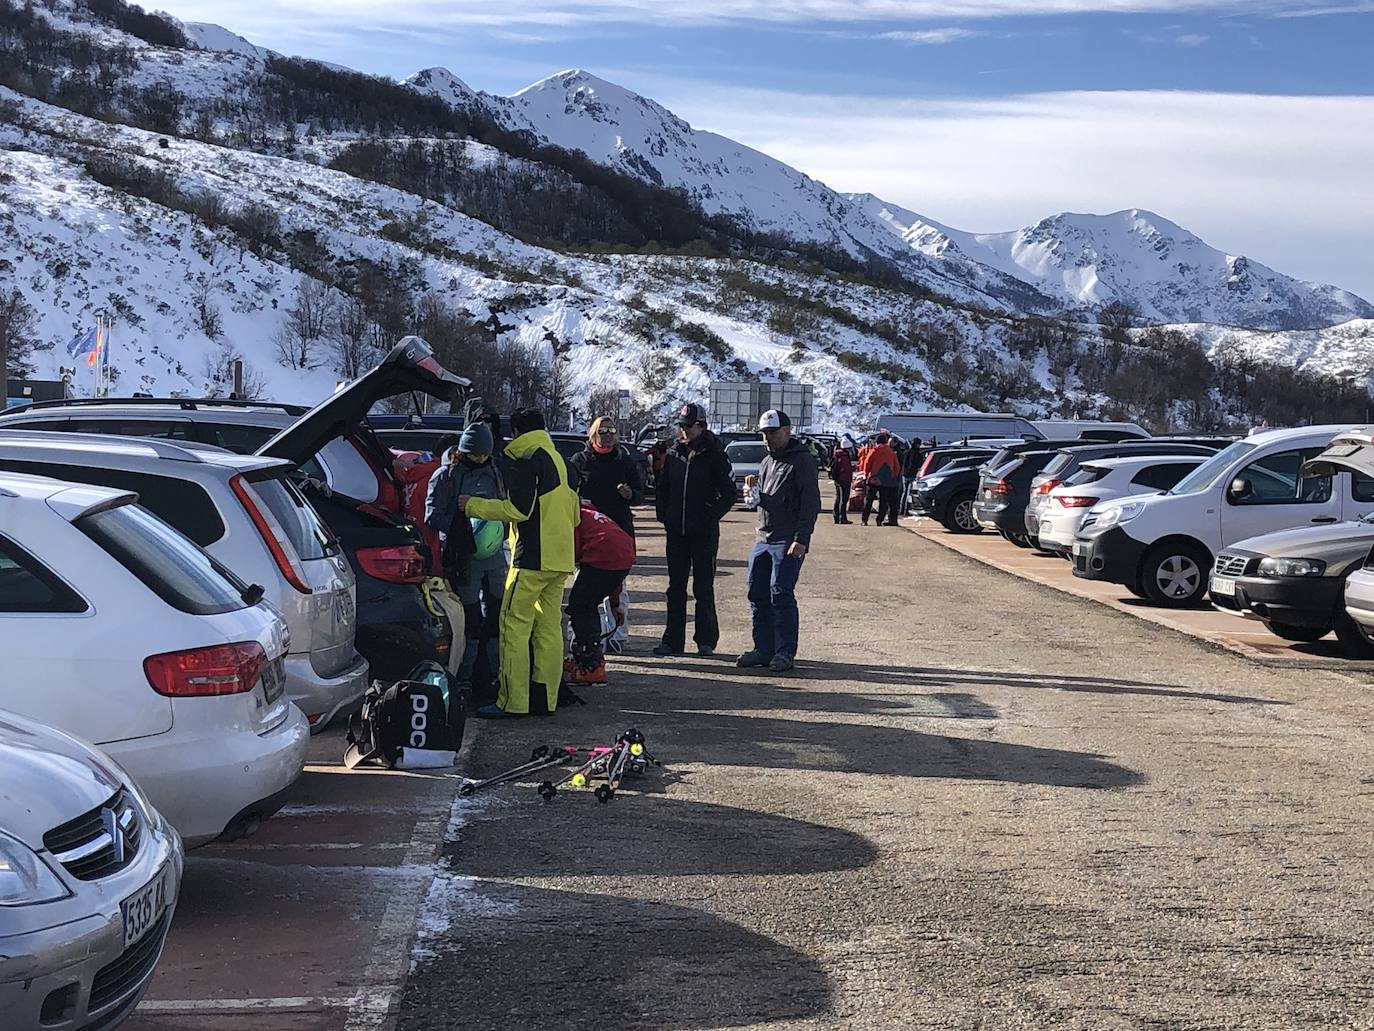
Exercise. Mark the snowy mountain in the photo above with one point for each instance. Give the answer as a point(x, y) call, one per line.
point(1168, 274)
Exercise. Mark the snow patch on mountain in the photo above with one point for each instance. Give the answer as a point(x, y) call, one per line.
point(208, 36)
point(1137, 257)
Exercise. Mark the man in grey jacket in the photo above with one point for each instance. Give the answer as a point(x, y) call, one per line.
point(789, 500)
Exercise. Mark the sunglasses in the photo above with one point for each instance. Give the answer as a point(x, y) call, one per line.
point(606, 433)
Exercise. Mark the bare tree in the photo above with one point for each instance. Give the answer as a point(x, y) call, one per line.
point(351, 335)
point(603, 400)
point(305, 324)
point(207, 313)
point(1117, 319)
point(18, 324)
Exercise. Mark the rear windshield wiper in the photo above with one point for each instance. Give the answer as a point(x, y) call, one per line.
point(252, 594)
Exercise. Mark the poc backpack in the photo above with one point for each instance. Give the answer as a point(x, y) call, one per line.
point(404, 725)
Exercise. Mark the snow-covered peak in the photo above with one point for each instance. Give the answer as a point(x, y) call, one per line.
point(208, 36)
point(442, 83)
point(1135, 256)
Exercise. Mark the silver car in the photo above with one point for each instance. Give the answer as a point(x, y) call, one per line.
point(89, 879)
point(1297, 582)
point(253, 520)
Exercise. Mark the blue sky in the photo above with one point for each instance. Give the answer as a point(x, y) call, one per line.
point(1250, 122)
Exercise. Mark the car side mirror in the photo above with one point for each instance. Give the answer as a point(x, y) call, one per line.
point(1240, 488)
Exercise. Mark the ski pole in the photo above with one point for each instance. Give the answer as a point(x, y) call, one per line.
point(600, 756)
point(631, 743)
point(541, 758)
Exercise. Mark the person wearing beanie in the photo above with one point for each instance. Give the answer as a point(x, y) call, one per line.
point(543, 511)
point(882, 480)
point(475, 572)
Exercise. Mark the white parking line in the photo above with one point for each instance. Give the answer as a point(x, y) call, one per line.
point(296, 1002)
point(311, 846)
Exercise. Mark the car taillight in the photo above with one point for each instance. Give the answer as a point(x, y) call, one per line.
point(272, 534)
point(1000, 487)
point(1076, 501)
point(202, 672)
point(398, 565)
point(1047, 486)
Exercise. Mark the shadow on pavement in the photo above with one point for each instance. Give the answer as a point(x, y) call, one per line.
point(678, 735)
point(935, 676)
point(529, 957)
point(645, 835)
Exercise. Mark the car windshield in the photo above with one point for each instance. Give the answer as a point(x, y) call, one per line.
point(297, 519)
point(1211, 470)
point(746, 453)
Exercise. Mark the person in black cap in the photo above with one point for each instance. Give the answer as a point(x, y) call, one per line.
point(694, 491)
point(789, 500)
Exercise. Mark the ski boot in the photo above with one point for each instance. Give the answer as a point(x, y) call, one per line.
point(587, 665)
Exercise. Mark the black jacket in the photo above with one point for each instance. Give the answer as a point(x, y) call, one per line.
point(695, 488)
point(598, 476)
point(789, 495)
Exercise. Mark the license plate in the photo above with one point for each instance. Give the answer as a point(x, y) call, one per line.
point(143, 909)
point(273, 681)
point(1224, 586)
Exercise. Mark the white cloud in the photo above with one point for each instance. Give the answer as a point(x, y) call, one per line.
point(1284, 180)
point(265, 15)
point(928, 37)
point(1191, 39)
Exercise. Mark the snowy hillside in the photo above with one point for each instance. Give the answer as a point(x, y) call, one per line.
point(1137, 257)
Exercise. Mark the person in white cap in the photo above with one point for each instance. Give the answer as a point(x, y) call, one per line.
point(789, 501)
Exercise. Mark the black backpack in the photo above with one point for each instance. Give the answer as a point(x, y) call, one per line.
point(408, 724)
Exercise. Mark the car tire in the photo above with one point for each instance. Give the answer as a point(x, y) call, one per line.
point(1137, 590)
point(1175, 575)
point(1354, 641)
point(960, 515)
point(1019, 539)
point(1293, 632)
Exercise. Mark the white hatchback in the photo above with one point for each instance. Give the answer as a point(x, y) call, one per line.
point(1105, 479)
point(116, 628)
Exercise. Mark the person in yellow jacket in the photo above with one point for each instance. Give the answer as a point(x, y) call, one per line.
point(543, 512)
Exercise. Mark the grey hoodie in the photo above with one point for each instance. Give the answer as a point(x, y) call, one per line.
point(789, 495)
point(450, 481)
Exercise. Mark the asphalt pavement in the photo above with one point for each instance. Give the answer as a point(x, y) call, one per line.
point(976, 803)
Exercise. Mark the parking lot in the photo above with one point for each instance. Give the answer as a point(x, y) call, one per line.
point(1242, 636)
point(307, 925)
point(977, 802)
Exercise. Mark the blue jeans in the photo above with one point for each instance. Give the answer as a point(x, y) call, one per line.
point(772, 584)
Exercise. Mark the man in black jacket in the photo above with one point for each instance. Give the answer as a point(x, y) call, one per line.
point(789, 499)
point(694, 492)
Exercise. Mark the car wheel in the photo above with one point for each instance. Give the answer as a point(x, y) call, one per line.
point(1019, 539)
point(1293, 632)
point(960, 518)
point(1174, 575)
point(1137, 590)
point(1354, 641)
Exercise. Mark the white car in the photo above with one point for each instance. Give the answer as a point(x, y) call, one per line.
point(246, 513)
point(746, 457)
point(1105, 479)
point(89, 879)
point(116, 628)
point(1161, 546)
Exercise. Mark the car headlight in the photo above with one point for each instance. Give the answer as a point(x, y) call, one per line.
point(1119, 513)
point(929, 481)
point(24, 878)
point(1291, 567)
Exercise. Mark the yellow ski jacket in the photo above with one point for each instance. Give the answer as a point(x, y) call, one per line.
point(540, 506)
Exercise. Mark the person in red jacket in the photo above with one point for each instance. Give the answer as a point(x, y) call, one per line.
point(842, 472)
point(604, 553)
point(883, 478)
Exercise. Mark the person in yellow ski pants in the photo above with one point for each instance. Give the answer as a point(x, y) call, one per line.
point(543, 512)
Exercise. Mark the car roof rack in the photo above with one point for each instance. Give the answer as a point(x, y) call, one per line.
point(73, 441)
point(188, 404)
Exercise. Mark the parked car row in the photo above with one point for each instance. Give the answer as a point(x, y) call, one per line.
point(182, 586)
point(1277, 527)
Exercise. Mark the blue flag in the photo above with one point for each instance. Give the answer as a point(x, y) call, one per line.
point(82, 343)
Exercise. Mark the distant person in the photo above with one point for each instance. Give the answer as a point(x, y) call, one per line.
point(544, 511)
point(882, 476)
point(842, 475)
point(693, 493)
point(789, 501)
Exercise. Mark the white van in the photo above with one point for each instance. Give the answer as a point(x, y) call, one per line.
point(1161, 546)
point(947, 427)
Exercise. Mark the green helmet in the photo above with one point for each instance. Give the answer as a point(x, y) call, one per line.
point(488, 534)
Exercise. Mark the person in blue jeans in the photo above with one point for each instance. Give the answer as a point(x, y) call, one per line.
point(789, 499)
